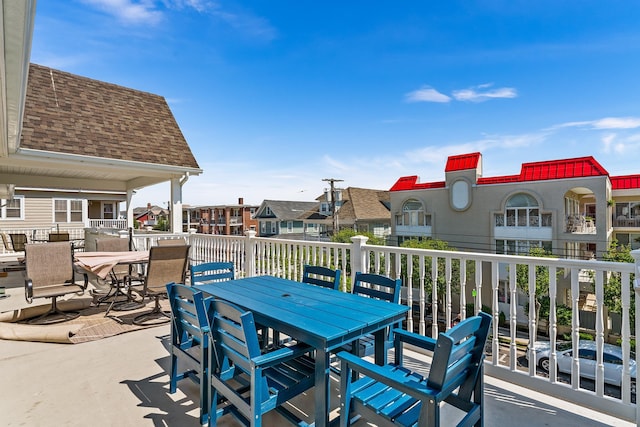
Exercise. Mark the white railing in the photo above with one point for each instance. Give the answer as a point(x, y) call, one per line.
point(466, 280)
point(118, 224)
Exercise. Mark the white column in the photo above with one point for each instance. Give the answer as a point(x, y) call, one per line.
point(129, 208)
point(176, 205)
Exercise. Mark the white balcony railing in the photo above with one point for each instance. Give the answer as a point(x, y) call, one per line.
point(471, 281)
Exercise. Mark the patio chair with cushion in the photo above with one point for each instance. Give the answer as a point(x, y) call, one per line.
point(18, 265)
point(211, 272)
point(59, 237)
point(18, 240)
point(50, 274)
point(321, 276)
point(246, 382)
point(395, 394)
point(167, 264)
point(189, 342)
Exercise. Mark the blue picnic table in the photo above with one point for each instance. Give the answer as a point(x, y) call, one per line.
point(324, 318)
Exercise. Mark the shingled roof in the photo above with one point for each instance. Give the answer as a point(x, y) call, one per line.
point(70, 114)
point(362, 204)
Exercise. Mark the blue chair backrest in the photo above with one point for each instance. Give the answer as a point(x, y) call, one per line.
point(380, 287)
point(458, 352)
point(188, 314)
point(321, 276)
point(212, 272)
point(236, 343)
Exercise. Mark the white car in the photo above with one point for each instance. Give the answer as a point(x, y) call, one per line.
point(612, 358)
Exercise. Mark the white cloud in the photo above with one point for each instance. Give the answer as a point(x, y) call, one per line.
point(477, 93)
point(617, 123)
point(130, 11)
point(604, 123)
point(480, 93)
point(426, 94)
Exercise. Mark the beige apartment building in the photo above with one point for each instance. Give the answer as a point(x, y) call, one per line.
point(571, 207)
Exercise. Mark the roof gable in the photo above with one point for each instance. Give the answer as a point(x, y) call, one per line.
point(70, 114)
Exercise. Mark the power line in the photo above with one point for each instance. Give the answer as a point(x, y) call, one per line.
point(334, 215)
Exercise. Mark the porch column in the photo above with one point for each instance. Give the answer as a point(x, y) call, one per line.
point(129, 208)
point(176, 205)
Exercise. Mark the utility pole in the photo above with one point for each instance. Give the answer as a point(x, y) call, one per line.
point(334, 215)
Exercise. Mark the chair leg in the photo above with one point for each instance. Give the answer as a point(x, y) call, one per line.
point(156, 314)
point(54, 315)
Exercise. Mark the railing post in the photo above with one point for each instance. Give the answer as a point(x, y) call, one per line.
point(636, 287)
point(358, 261)
point(250, 254)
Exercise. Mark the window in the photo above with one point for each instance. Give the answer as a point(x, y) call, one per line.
point(520, 247)
point(522, 210)
point(263, 228)
point(267, 211)
point(67, 210)
point(413, 214)
point(13, 208)
point(289, 226)
point(273, 227)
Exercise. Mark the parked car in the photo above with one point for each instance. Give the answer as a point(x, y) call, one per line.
point(612, 358)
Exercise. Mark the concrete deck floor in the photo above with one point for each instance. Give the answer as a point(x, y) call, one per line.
point(122, 381)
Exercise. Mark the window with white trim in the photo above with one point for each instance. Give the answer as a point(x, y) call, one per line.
point(67, 210)
point(413, 214)
point(12, 209)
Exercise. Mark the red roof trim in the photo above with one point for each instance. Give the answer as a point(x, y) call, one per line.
point(462, 162)
point(579, 167)
point(625, 182)
point(411, 183)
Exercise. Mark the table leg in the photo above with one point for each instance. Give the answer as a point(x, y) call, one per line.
point(380, 349)
point(322, 390)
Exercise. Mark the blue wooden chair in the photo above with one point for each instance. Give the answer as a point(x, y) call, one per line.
point(395, 395)
point(211, 272)
point(321, 276)
point(247, 382)
point(189, 341)
point(379, 287)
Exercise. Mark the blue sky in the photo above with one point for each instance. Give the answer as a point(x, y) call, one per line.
point(274, 96)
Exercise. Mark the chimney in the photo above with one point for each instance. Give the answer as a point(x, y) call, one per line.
point(148, 206)
point(240, 201)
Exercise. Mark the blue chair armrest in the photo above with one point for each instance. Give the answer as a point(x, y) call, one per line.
point(281, 354)
point(393, 376)
point(426, 343)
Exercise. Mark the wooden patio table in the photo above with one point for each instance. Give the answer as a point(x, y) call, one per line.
point(324, 318)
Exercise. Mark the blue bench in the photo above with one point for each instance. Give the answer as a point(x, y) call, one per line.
point(399, 396)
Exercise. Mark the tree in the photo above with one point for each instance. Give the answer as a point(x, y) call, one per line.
point(441, 284)
point(541, 278)
point(613, 286)
point(345, 235)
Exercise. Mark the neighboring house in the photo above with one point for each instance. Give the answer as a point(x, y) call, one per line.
point(223, 219)
point(85, 147)
point(363, 210)
point(283, 218)
point(150, 216)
